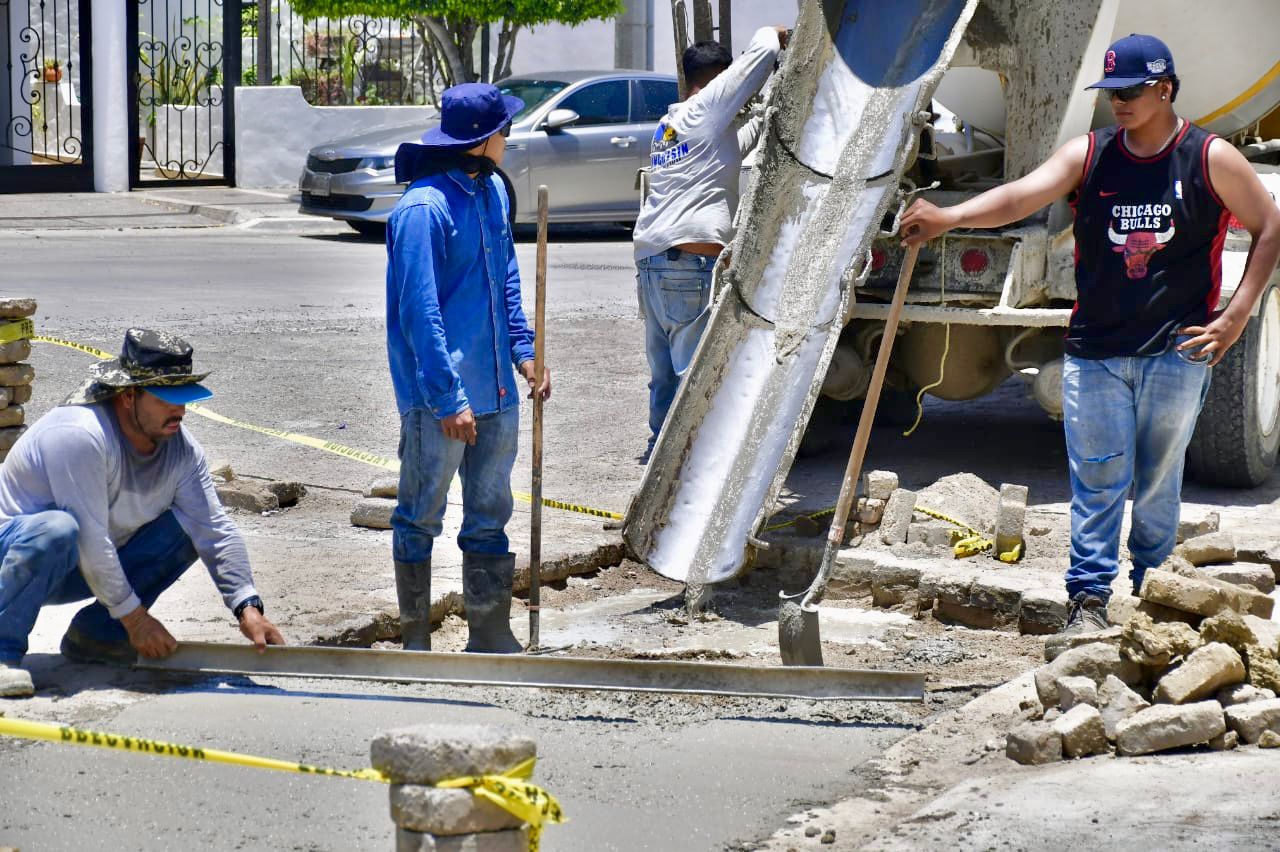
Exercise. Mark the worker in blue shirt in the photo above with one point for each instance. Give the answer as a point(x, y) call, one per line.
point(455, 329)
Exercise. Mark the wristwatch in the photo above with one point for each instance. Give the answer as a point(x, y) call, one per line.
point(253, 601)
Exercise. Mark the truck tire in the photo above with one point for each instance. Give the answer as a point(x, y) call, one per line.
point(1236, 437)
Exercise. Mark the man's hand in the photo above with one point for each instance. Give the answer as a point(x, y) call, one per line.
point(784, 36)
point(258, 630)
point(1213, 340)
point(924, 221)
point(147, 635)
point(460, 426)
point(526, 370)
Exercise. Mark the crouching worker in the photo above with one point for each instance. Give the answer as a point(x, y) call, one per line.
point(109, 497)
point(455, 329)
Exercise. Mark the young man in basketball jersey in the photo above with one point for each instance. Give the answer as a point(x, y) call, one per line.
point(1152, 197)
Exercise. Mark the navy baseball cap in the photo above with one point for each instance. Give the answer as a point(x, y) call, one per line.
point(469, 114)
point(1134, 59)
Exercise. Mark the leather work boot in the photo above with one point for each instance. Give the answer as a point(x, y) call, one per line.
point(413, 593)
point(1088, 615)
point(81, 648)
point(486, 592)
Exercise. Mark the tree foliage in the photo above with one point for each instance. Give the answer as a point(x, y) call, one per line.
point(452, 25)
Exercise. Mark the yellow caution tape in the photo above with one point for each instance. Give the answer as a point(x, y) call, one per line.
point(970, 542)
point(364, 456)
point(510, 790)
point(21, 329)
point(791, 522)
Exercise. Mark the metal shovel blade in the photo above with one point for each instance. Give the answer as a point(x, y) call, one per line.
point(799, 641)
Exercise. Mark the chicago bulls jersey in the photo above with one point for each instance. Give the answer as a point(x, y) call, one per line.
point(1149, 234)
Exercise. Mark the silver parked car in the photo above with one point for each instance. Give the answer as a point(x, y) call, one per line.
point(582, 133)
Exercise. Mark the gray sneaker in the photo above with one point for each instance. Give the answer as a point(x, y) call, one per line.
point(1088, 615)
point(15, 682)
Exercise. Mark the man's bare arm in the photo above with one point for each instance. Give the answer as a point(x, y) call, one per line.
point(1051, 180)
point(1248, 200)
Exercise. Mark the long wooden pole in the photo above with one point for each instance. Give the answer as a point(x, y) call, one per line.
point(539, 351)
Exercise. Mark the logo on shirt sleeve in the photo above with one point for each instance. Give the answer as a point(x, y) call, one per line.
point(1144, 229)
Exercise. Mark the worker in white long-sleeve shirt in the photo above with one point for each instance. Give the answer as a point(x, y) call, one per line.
point(686, 219)
point(109, 497)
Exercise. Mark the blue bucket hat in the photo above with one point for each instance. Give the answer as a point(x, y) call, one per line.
point(1134, 59)
point(469, 114)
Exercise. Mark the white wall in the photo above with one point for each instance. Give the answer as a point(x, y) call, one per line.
point(275, 127)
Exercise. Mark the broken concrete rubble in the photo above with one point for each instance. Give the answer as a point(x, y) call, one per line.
point(1082, 731)
point(879, 484)
point(1117, 702)
point(1262, 668)
point(1203, 673)
point(1269, 739)
point(1074, 690)
point(1210, 549)
point(1188, 529)
point(446, 812)
point(373, 512)
point(1157, 645)
point(1034, 743)
point(1251, 719)
point(1161, 727)
point(386, 487)
point(1094, 661)
point(1225, 741)
point(1058, 644)
point(248, 496)
point(1260, 577)
point(897, 516)
point(1202, 595)
point(1242, 693)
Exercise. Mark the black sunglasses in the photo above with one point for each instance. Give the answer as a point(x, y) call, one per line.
point(1129, 93)
point(506, 129)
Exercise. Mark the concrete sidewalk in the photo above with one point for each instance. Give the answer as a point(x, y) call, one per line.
point(172, 207)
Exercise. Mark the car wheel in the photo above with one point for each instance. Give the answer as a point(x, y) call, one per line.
point(369, 230)
point(1238, 432)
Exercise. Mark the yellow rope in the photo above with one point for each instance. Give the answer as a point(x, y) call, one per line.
point(946, 346)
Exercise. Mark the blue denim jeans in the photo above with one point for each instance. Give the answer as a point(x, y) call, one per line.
point(38, 566)
point(1128, 423)
point(428, 462)
point(675, 298)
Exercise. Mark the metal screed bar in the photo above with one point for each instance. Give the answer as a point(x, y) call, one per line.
point(539, 672)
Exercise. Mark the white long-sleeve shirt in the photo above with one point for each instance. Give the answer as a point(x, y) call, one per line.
point(76, 459)
point(696, 156)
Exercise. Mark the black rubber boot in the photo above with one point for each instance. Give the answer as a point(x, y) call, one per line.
point(413, 592)
point(486, 591)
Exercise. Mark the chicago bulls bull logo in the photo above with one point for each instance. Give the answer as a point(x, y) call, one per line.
point(1138, 247)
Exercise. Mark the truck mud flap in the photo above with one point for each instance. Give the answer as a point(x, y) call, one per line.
point(840, 127)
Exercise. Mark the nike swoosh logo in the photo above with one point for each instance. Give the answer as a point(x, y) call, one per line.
point(1102, 194)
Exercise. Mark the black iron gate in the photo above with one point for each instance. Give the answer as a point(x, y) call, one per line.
point(184, 70)
point(46, 93)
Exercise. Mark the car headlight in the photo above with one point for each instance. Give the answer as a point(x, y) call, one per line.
point(378, 164)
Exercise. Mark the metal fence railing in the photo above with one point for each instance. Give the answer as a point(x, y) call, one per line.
point(342, 62)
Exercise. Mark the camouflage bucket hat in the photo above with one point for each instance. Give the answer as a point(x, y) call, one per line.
point(149, 359)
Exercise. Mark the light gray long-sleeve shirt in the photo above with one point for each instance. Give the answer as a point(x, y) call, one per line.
point(696, 156)
point(76, 459)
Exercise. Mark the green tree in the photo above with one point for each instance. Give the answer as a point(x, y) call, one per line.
point(451, 26)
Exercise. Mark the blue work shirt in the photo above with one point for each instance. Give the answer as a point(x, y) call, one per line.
point(455, 324)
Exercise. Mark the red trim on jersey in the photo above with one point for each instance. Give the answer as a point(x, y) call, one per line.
point(1204, 168)
point(1088, 161)
point(1215, 261)
point(1159, 155)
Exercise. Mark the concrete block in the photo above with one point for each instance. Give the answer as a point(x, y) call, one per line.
point(1242, 693)
point(1034, 743)
point(894, 581)
point(1082, 731)
point(1210, 549)
point(1074, 690)
point(1117, 702)
point(932, 532)
point(1094, 661)
point(1182, 593)
point(15, 683)
point(1251, 574)
point(6, 397)
point(1225, 741)
point(1243, 599)
point(10, 436)
point(492, 841)
point(879, 484)
point(427, 754)
point(852, 573)
point(1207, 670)
point(1193, 528)
point(932, 577)
point(17, 308)
point(446, 812)
point(1165, 726)
point(373, 512)
point(288, 493)
point(20, 395)
point(1269, 739)
point(897, 516)
point(246, 495)
point(954, 585)
point(969, 616)
point(1043, 611)
point(386, 487)
point(17, 375)
point(1057, 645)
point(1266, 631)
point(15, 351)
point(15, 415)
point(1231, 629)
point(1250, 720)
point(870, 512)
point(1010, 518)
point(1001, 591)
